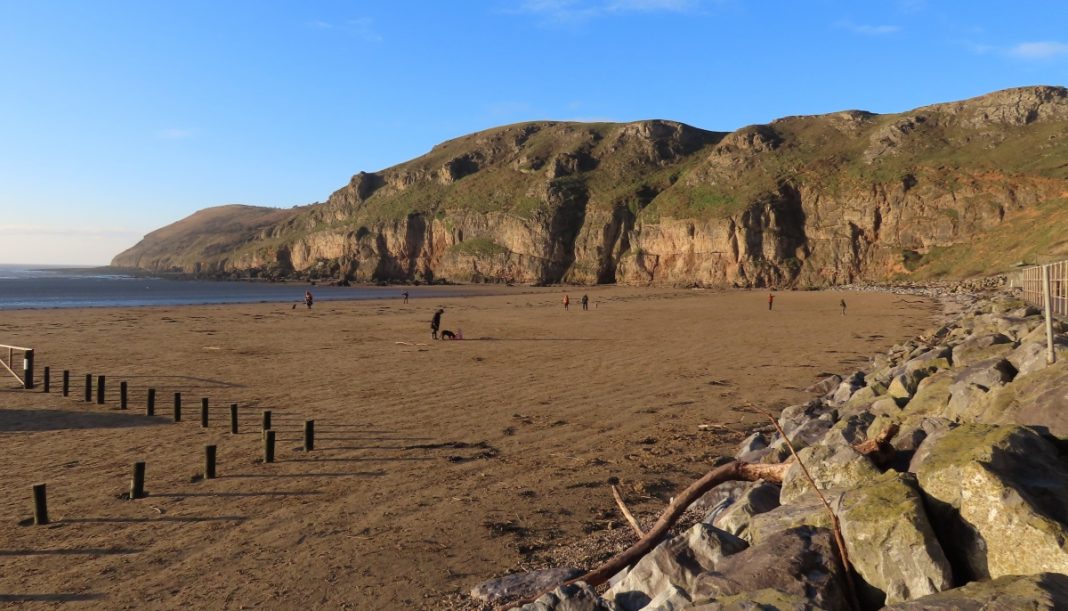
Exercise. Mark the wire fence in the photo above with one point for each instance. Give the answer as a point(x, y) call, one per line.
point(1029, 280)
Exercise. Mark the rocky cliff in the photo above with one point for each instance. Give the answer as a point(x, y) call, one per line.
point(950, 189)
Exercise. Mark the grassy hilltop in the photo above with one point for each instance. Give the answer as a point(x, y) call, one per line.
point(947, 190)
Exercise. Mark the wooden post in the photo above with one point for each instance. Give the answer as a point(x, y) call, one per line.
point(48, 379)
point(309, 435)
point(209, 462)
point(266, 419)
point(268, 446)
point(204, 412)
point(177, 407)
point(66, 382)
point(88, 388)
point(233, 418)
point(1051, 356)
point(40, 505)
point(100, 382)
point(122, 395)
point(27, 369)
point(150, 406)
point(137, 486)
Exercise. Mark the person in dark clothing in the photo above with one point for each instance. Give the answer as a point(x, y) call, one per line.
point(585, 302)
point(435, 323)
point(843, 307)
point(405, 295)
point(308, 299)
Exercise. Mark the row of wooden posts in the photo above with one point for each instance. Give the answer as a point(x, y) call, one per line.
point(137, 484)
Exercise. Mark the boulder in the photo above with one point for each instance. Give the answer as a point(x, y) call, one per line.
point(989, 373)
point(1000, 494)
point(675, 563)
point(889, 539)
point(759, 498)
point(932, 396)
point(797, 567)
point(849, 386)
point(825, 385)
point(752, 443)
point(1030, 356)
point(574, 597)
point(522, 585)
point(795, 416)
point(833, 465)
point(720, 497)
point(1041, 592)
point(1037, 401)
point(981, 347)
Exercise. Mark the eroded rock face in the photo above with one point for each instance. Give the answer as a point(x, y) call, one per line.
point(1000, 495)
point(651, 202)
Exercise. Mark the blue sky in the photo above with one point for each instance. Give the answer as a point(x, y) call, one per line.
point(117, 118)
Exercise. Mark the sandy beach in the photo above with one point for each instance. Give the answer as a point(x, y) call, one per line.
point(437, 464)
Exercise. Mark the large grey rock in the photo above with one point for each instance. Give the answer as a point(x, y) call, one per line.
point(891, 542)
point(825, 385)
point(721, 497)
point(889, 539)
point(759, 498)
point(797, 566)
point(833, 465)
point(522, 585)
point(990, 373)
point(574, 597)
point(1041, 592)
point(980, 347)
point(795, 416)
point(1030, 356)
point(849, 386)
point(1000, 495)
point(756, 441)
point(675, 563)
point(1040, 401)
point(803, 436)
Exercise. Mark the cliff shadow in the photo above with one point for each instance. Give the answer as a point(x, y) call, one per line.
point(37, 420)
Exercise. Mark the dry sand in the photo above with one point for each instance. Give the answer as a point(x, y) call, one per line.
point(437, 465)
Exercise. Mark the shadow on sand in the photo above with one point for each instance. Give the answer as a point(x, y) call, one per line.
point(32, 420)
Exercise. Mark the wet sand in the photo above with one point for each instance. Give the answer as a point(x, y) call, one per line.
point(437, 464)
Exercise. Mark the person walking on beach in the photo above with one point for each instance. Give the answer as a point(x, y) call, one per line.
point(585, 302)
point(435, 323)
point(567, 301)
point(405, 295)
point(308, 299)
point(771, 300)
point(843, 307)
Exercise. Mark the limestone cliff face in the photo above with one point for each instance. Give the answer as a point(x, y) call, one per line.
point(803, 201)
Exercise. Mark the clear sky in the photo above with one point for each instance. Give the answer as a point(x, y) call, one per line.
point(117, 118)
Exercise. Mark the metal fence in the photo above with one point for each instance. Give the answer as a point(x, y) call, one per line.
point(1033, 291)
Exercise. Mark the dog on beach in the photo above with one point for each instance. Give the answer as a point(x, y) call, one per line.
point(446, 334)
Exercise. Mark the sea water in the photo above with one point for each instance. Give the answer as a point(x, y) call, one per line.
point(39, 286)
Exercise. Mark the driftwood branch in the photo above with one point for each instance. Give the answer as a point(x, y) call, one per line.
point(626, 512)
point(732, 471)
point(878, 448)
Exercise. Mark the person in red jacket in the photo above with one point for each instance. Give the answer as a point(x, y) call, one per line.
point(771, 300)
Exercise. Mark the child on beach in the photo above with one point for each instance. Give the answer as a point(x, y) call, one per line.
point(308, 299)
point(771, 300)
point(567, 301)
